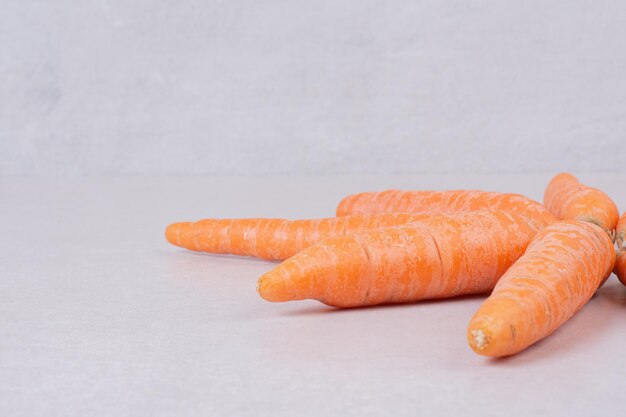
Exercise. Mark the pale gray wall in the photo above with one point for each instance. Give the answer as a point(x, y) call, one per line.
point(259, 87)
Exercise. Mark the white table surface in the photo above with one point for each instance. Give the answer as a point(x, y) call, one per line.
point(99, 316)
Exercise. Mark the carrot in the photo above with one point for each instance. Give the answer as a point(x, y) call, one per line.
point(453, 201)
point(559, 272)
point(620, 240)
point(273, 239)
point(443, 255)
point(568, 199)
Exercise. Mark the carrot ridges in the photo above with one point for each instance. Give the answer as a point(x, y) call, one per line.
point(558, 273)
point(453, 201)
point(568, 199)
point(274, 239)
point(442, 255)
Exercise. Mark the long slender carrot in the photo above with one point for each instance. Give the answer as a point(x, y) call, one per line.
point(620, 241)
point(273, 239)
point(568, 199)
point(453, 201)
point(443, 255)
point(559, 272)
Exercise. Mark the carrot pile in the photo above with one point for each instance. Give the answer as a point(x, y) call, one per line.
point(540, 262)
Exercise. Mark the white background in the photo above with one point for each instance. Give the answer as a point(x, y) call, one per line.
point(101, 87)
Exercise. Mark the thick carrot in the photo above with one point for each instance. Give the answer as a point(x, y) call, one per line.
point(443, 255)
point(620, 241)
point(453, 201)
point(273, 239)
point(559, 272)
point(568, 199)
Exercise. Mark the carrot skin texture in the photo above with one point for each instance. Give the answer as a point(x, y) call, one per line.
point(273, 239)
point(620, 241)
point(453, 201)
point(559, 272)
point(568, 199)
point(443, 255)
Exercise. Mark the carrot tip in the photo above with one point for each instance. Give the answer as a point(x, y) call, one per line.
point(177, 234)
point(479, 339)
point(271, 287)
point(171, 233)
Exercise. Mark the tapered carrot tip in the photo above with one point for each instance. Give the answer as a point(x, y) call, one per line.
point(481, 338)
point(180, 234)
point(272, 287)
point(495, 335)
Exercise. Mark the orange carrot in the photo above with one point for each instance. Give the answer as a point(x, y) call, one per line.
point(273, 239)
point(559, 272)
point(453, 201)
point(568, 199)
point(620, 240)
point(443, 255)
